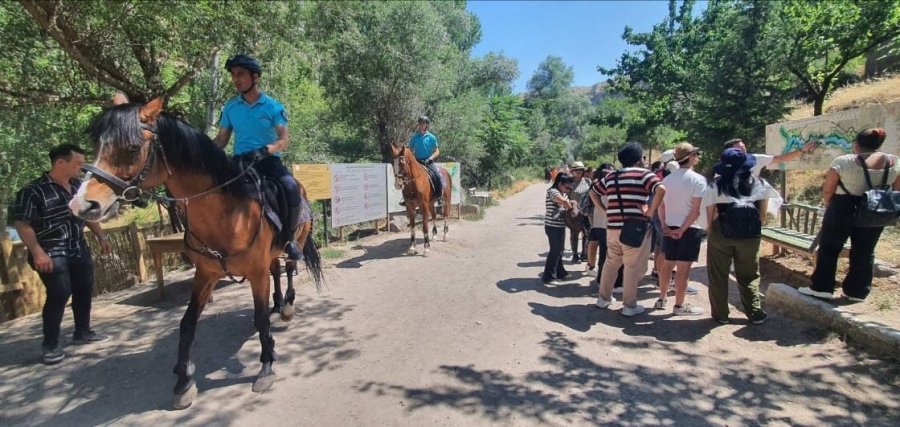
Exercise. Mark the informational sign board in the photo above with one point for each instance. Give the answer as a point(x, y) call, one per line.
point(358, 193)
point(836, 131)
point(395, 195)
point(316, 178)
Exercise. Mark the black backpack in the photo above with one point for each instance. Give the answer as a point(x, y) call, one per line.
point(739, 220)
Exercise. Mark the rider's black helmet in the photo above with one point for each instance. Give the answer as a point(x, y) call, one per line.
point(424, 119)
point(244, 61)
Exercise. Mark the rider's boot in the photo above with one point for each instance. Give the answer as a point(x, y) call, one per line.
point(291, 249)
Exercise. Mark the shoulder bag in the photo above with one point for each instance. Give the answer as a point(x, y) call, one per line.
point(633, 230)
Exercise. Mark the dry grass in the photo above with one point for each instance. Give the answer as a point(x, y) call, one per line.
point(512, 189)
point(878, 91)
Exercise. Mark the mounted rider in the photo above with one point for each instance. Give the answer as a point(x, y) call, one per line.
point(425, 147)
point(259, 123)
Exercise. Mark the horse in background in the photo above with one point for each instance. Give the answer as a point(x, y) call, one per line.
point(413, 179)
point(140, 147)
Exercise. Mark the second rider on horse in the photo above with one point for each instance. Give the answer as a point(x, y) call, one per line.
point(259, 123)
point(425, 147)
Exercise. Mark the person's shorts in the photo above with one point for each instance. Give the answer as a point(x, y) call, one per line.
point(597, 234)
point(687, 248)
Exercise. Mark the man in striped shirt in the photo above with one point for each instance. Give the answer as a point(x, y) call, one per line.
point(627, 191)
point(57, 249)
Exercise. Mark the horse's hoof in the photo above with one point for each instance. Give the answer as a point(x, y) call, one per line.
point(411, 251)
point(274, 315)
point(287, 312)
point(264, 383)
point(184, 400)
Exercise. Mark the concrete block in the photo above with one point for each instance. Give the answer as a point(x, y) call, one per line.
point(861, 329)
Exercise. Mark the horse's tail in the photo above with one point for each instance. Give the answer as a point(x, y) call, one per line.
point(313, 261)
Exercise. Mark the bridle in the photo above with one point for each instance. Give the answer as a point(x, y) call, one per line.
point(130, 191)
point(402, 173)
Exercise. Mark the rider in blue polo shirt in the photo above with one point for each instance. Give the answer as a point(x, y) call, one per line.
point(259, 124)
point(425, 147)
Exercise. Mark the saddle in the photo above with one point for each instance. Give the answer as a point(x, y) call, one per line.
point(435, 179)
point(271, 195)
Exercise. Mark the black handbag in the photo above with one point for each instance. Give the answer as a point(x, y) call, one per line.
point(634, 231)
point(879, 206)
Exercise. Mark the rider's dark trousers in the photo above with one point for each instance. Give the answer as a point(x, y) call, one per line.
point(271, 166)
point(553, 268)
point(71, 276)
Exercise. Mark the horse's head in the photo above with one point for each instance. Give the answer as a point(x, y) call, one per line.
point(401, 165)
point(126, 144)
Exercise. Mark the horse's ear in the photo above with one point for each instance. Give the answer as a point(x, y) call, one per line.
point(119, 98)
point(150, 111)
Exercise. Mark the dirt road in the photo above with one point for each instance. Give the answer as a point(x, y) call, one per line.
point(467, 336)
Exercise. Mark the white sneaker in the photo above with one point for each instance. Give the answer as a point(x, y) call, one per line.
point(817, 294)
point(660, 304)
point(619, 291)
point(602, 303)
point(632, 311)
point(687, 309)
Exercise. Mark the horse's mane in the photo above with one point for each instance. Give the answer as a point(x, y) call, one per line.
point(186, 149)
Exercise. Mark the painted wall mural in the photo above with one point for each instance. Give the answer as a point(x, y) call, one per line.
point(835, 131)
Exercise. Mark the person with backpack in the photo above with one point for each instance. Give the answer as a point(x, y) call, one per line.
point(735, 204)
point(847, 183)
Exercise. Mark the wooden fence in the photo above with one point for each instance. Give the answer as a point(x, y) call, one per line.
point(129, 263)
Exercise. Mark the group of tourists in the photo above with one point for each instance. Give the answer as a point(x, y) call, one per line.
point(666, 212)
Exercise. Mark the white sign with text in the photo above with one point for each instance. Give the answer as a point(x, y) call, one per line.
point(359, 193)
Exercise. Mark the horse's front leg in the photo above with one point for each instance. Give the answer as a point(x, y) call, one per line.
point(411, 216)
point(259, 285)
point(277, 299)
point(185, 387)
point(287, 311)
point(426, 211)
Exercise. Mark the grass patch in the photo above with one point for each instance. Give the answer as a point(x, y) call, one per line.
point(514, 188)
point(877, 91)
point(332, 253)
point(883, 304)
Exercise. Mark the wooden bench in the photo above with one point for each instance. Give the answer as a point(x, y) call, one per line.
point(160, 245)
point(480, 198)
point(800, 231)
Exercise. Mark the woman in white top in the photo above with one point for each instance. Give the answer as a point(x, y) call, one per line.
point(735, 210)
point(844, 186)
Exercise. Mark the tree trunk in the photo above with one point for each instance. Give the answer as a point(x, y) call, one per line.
point(818, 103)
point(213, 92)
point(385, 140)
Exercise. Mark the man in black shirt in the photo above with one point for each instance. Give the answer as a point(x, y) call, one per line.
point(57, 249)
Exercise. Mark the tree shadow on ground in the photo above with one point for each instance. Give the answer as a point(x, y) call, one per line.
point(579, 390)
point(132, 373)
point(567, 289)
point(385, 250)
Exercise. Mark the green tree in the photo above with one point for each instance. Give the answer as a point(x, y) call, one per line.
point(503, 136)
point(389, 62)
point(818, 39)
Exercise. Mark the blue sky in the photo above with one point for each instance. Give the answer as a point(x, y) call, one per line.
point(584, 33)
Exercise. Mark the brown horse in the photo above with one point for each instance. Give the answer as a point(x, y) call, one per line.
point(140, 147)
point(412, 177)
